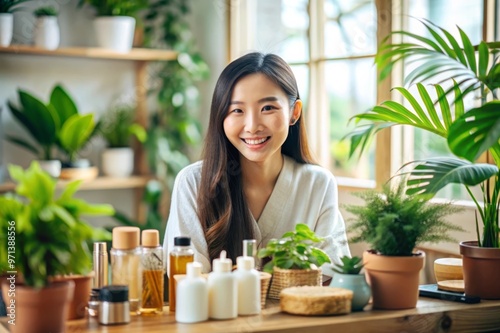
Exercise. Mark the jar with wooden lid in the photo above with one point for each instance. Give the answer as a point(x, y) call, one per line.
point(126, 263)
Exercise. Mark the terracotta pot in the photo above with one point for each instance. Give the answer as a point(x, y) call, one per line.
point(481, 268)
point(38, 310)
point(81, 295)
point(394, 280)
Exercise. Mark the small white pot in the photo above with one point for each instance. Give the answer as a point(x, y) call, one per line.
point(52, 167)
point(115, 32)
point(118, 162)
point(6, 28)
point(47, 34)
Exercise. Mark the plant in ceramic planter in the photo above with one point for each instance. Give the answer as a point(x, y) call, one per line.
point(47, 237)
point(295, 260)
point(115, 22)
point(46, 32)
point(347, 275)
point(467, 70)
point(7, 7)
point(43, 122)
point(118, 128)
point(393, 224)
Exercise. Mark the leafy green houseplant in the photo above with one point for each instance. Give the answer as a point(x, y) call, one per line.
point(41, 120)
point(469, 133)
point(393, 224)
point(75, 133)
point(115, 22)
point(294, 250)
point(349, 265)
point(173, 129)
point(45, 11)
point(116, 7)
point(9, 6)
point(47, 239)
point(118, 127)
point(294, 259)
point(51, 235)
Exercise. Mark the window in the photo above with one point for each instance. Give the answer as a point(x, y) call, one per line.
point(330, 45)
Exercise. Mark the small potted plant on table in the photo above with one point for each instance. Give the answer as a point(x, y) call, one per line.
point(347, 275)
point(393, 224)
point(295, 260)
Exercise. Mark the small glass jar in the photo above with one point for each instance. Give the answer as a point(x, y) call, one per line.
point(126, 263)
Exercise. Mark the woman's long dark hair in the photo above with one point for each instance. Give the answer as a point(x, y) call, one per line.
point(222, 208)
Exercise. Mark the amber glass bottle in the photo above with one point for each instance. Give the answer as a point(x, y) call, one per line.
point(152, 272)
point(181, 254)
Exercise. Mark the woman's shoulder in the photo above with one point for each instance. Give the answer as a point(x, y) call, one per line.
point(190, 174)
point(309, 171)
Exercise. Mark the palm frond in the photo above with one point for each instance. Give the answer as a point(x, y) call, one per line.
point(476, 131)
point(431, 175)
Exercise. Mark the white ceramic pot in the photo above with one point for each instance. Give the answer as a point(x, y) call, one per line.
point(115, 32)
point(6, 28)
point(47, 34)
point(118, 162)
point(52, 167)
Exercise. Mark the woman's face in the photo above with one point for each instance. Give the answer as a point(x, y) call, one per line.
point(258, 118)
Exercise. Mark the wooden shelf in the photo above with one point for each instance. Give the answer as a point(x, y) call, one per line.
point(100, 183)
point(137, 54)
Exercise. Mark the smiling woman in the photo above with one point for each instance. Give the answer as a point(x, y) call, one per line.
point(257, 179)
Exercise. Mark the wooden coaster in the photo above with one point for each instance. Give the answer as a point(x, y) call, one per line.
point(452, 285)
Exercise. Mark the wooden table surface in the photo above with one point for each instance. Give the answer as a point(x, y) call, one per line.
point(430, 315)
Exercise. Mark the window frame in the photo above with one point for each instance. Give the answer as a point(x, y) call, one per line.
point(390, 143)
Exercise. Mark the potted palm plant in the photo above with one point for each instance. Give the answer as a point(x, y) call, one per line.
point(294, 260)
point(393, 224)
point(348, 276)
point(115, 22)
point(47, 237)
point(117, 128)
point(469, 133)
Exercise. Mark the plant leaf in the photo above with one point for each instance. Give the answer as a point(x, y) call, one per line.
point(475, 131)
point(431, 175)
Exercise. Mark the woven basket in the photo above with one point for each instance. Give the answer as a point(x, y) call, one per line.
point(284, 278)
point(265, 278)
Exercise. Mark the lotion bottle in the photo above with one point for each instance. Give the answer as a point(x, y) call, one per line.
point(222, 290)
point(248, 281)
point(192, 296)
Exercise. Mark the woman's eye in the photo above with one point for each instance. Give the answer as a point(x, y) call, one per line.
point(268, 108)
point(236, 111)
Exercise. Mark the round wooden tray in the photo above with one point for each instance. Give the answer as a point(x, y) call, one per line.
point(452, 285)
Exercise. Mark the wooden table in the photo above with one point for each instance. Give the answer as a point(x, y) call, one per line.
point(430, 315)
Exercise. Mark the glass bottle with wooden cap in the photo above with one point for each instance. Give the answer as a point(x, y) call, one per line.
point(152, 272)
point(126, 263)
point(181, 254)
